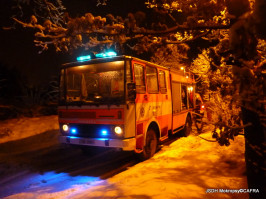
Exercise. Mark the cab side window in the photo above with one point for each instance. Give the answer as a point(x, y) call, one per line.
point(152, 80)
point(139, 78)
point(184, 96)
point(162, 82)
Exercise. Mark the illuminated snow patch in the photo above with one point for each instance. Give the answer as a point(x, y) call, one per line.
point(49, 182)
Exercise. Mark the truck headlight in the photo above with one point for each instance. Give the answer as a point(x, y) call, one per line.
point(118, 130)
point(65, 127)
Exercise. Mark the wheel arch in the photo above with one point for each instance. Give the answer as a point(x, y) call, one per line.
point(156, 127)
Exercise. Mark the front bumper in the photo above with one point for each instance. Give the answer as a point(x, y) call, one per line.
point(125, 144)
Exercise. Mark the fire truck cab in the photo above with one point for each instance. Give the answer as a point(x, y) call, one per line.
point(123, 102)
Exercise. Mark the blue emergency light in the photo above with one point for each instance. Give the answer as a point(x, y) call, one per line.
point(73, 130)
point(104, 132)
point(83, 58)
point(108, 54)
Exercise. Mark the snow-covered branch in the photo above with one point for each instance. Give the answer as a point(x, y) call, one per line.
point(77, 32)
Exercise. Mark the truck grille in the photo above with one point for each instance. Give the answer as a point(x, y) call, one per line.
point(85, 115)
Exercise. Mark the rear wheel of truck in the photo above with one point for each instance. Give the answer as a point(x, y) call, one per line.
point(188, 127)
point(199, 122)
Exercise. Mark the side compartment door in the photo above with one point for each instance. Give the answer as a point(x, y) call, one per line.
point(165, 103)
point(176, 100)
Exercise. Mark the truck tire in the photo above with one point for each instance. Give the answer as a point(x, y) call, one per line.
point(199, 122)
point(188, 127)
point(151, 145)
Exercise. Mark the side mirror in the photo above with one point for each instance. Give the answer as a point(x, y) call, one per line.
point(131, 91)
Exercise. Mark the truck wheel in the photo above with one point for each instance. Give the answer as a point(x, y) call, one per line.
point(150, 147)
point(188, 127)
point(199, 123)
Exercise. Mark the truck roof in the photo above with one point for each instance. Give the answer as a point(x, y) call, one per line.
point(122, 57)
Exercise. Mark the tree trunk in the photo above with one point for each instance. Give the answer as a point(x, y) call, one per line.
point(255, 154)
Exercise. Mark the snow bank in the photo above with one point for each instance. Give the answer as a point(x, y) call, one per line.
point(15, 129)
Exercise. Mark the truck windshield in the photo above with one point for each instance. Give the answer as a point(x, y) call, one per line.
point(101, 83)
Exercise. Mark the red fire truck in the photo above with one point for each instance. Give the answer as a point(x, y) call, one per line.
point(123, 102)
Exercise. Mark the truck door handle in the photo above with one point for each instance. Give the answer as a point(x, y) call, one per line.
point(146, 97)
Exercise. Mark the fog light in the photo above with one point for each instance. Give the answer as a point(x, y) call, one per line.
point(118, 130)
point(65, 127)
point(73, 130)
point(104, 132)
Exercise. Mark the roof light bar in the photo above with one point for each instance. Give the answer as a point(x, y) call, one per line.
point(105, 55)
point(83, 58)
point(108, 54)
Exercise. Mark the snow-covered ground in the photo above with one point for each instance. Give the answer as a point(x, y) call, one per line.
point(184, 169)
point(20, 128)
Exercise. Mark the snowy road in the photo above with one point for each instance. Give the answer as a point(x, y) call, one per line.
point(37, 166)
point(39, 163)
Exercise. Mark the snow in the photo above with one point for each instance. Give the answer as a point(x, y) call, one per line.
point(51, 185)
point(14, 129)
point(184, 169)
